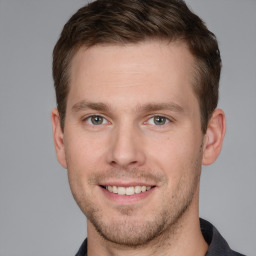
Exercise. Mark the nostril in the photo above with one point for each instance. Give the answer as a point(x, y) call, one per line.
point(125, 152)
point(123, 164)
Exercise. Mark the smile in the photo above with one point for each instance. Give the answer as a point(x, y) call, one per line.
point(128, 191)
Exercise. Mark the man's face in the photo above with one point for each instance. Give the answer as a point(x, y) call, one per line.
point(133, 124)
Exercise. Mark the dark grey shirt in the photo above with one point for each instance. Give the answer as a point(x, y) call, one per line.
point(217, 244)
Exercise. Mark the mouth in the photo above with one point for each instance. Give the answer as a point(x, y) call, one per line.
point(128, 191)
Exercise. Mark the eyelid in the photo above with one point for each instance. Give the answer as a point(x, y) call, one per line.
point(87, 117)
point(168, 119)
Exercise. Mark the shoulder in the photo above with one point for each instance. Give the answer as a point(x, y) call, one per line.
point(83, 249)
point(236, 254)
point(218, 246)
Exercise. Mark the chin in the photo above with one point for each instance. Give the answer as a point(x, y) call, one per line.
point(130, 230)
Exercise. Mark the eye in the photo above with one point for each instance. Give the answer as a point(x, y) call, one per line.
point(158, 120)
point(96, 120)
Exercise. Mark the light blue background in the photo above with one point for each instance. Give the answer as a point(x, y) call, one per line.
point(38, 215)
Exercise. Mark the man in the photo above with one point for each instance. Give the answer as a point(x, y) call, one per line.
point(137, 89)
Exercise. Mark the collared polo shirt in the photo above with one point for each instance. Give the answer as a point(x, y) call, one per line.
point(217, 244)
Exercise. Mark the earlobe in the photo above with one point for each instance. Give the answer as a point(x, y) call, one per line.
point(214, 137)
point(58, 138)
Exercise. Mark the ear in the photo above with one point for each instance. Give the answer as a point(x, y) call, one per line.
point(214, 137)
point(58, 138)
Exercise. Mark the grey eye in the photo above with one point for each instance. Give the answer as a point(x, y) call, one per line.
point(160, 120)
point(96, 120)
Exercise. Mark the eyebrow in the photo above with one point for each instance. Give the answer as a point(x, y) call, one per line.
point(84, 105)
point(151, 107)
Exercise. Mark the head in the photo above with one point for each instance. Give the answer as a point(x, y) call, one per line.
point(129, 22)
point(137, 87)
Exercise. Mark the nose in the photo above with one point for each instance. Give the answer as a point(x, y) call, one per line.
point(126, 148)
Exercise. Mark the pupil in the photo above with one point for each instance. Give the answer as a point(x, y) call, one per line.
point(97, 120)
point(159, 120)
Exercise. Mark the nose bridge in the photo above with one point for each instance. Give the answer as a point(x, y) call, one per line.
point(126, 148)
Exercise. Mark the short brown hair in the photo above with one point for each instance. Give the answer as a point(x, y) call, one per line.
point(133, 21)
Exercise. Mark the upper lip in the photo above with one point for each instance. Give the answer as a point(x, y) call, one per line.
point(127, 184)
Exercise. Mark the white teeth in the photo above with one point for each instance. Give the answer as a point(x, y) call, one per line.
point(121, 191)
point(114, 189)
point(127, 191)
point(109, 188)
point(138, 189)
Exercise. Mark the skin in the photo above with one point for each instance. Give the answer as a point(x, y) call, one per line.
point(130, 88)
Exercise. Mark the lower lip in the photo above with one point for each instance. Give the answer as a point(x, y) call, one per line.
point(124, 199)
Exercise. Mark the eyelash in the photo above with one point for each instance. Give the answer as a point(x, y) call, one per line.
point(166, 120)
point(86, 119)
point(105, 121)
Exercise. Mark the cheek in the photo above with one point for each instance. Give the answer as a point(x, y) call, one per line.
point(83, 153)
point(174, 154)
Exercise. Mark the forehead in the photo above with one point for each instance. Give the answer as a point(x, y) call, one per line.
point(154, 70)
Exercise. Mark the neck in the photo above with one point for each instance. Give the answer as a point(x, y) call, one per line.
point(184, 238)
